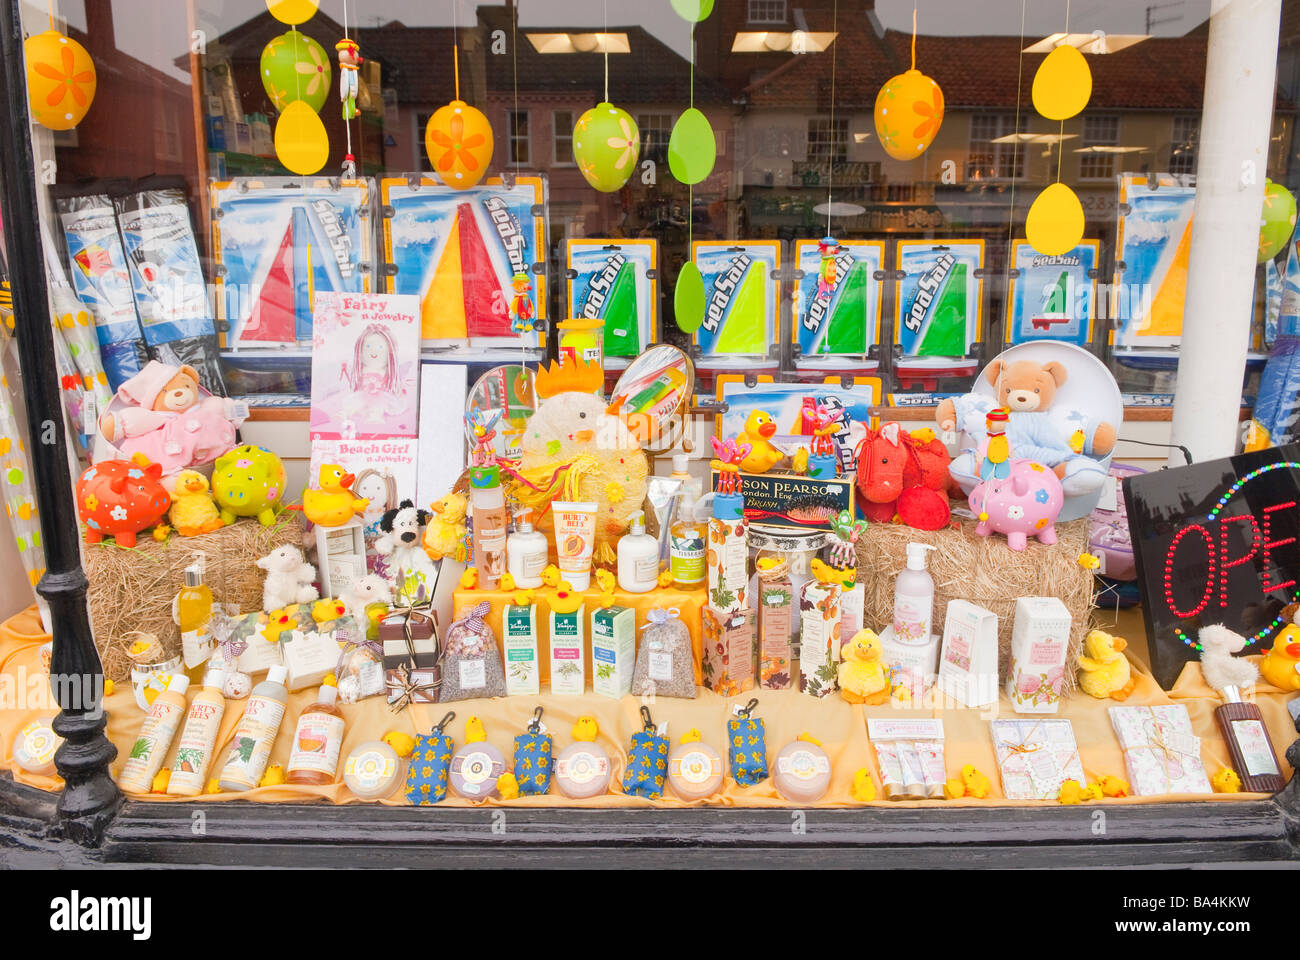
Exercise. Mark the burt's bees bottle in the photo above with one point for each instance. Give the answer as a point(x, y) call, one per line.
point(318, 738)
point(155, 739)
point(198, 738)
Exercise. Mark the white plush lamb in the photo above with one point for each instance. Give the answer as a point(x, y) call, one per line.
point(1218, 665)
point(369, 589)
point(289, 578)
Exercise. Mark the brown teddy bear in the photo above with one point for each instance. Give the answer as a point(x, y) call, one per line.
point(1028, 390)
point(162, 413)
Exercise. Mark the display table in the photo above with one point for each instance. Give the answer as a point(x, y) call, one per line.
point(837, 724)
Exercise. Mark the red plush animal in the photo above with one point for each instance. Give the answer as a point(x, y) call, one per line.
point(904, 476)
point(119, 498)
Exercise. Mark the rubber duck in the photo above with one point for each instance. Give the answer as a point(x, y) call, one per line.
point(325, 612)
point(507, 786)
point(444, 535)
point(474, 732)
point(1103, 669)
point(977, 785)
point(585, 730)
point(760, 427)
point(564, 599)
point(333, 504)
point(273, 777)
point(1281, 663)
point(1112, 786)
point(193, 511)
point(864, 786)
point(1226, 781)
point(861, 674)
point(402, 743)
point(277, 621)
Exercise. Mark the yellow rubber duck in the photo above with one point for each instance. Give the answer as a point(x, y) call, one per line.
point(864, 786)
point(1226, 781)
point(1103, 669)
point(474, 732)
point(585, 730)
point(273, 777)
point(277, 621)
point(564, 599)
point(760, 427)
point(402, 743)
point(1280, 665)
point(193, 511)
point(1112, 786)
point(861, 674)
point(333, 504)
point(507, 786)
point(327, 610)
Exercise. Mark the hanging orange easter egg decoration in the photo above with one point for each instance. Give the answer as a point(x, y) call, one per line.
point(1062, 84)
point(60, 80)
point(301, 142)
point(1054, 224)
point(458, 140)
point(909, 111)
point(293, 12)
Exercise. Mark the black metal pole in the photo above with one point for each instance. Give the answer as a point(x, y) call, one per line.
point(90, 797)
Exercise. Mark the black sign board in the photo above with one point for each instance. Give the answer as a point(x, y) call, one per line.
point(1216, 542)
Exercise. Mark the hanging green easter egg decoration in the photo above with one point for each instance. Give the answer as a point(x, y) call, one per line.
point(1276, 221)
point(606, 146)
point(692, 150)
point(693, 11)
point(688, 298)
point(301, 142)
point(295, 67)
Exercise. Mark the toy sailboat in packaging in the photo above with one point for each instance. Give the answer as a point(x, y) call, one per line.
point(742, 301)
point(616, 281)
point(840, 321)
point(938, 303)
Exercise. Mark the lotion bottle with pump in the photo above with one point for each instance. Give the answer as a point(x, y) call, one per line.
point(526, 554)
point(638, 558)
point(914, 598)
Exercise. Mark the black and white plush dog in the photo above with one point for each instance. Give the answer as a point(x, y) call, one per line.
point(403, 528)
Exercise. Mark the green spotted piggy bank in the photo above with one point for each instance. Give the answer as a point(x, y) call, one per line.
point(248, 481)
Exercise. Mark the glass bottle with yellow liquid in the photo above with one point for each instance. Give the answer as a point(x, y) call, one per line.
point(688, 541)
point(193, 615)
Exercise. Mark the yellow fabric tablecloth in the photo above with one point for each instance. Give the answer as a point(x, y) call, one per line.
point(688, 602)
point(837, 724)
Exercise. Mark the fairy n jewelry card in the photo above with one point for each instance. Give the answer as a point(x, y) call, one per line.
point(742, 296)
point(278, 242)
point(1052, 298)
point(839, 320)
point(616, 281)
point(466, 255)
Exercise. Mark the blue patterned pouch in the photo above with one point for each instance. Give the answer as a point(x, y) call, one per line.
point(426, 771)
point(533, 759)
point(747, 746)
point(647, 761)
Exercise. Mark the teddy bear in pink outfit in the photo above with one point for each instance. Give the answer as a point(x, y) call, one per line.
point(170, 419)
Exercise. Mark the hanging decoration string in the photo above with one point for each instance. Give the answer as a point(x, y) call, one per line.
point(1015, 151)
point(455, 44)
point(830, 158)
point(1060, 144)
point(690, 187)
point(349, 165)
point(604, 42)
point(913, 36)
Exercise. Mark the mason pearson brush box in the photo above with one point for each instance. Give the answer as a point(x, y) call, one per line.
point(790, 501)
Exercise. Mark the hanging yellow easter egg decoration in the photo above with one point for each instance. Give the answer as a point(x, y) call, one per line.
point(60, 80)
point(293, 12)
point(1054, 225)
point(301, 142)
point(458, 140)
point(1062, 84)
point(909, 111)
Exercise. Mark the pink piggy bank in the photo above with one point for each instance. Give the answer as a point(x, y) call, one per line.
point(119, 498)
point(1022, 505)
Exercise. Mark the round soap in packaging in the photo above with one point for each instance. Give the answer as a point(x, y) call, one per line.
point(373, 770)
point(803, 772)
point(694, 770)
point(475, 768)
point(35, 745)
point(582, 770)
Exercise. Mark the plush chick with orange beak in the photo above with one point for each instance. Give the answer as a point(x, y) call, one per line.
point(193, 511)
point(333, 504)
point(759, 429)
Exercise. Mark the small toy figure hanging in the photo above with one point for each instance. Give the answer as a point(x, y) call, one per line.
point(997, 449)
point(729, 456)
point(828, 247)
point(350, 61)
point(522, 310)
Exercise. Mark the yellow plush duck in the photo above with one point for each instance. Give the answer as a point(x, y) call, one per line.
point(1281, 663)
point(333, 504)
point(193, 510)
point(759, 429)
point(1103, 669)
point(445, 534)
point(861, 674)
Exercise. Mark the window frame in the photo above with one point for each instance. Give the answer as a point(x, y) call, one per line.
point(513, 137)
point(1098, 166)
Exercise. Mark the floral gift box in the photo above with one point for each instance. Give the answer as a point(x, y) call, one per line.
point(1035, 757)
point(1161, 753)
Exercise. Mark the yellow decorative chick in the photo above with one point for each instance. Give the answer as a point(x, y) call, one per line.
point(758, 432)
point(193, 511)
point(161, 532)
point(109, 687)
point(273, 777)
point(551, 576)
point(665, 578)
point(864, 786)
point(585, 730)
point(1280, 665)
point(606, 580)
point(825, 573)
point(768, 563)
point(333, 504)
point(523, 598)
point(861, 674)
point(923, 435)
point(1112, 786)
point(977, 785)
point(469, 579)
point(1089, 562)
point(402, 743)
point(954, 788)
point(444, 536)
point(1103, 669)
point(507, 786)
point(799, 462)
point(506, 583)
point(160, 781)
point(1071, 793)
point(564, 599)
point(474, 732)
point(691, 736)
point(214, 786)
point(1092, 792)
point(1226, 781)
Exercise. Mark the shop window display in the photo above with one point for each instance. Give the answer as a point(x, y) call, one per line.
point(745, 323)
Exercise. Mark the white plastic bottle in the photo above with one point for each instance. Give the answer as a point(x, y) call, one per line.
point(250, 745)
point(638, 557)
point(156, 735)
point(526, 555)
point(198, 738)
point(914, 598)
